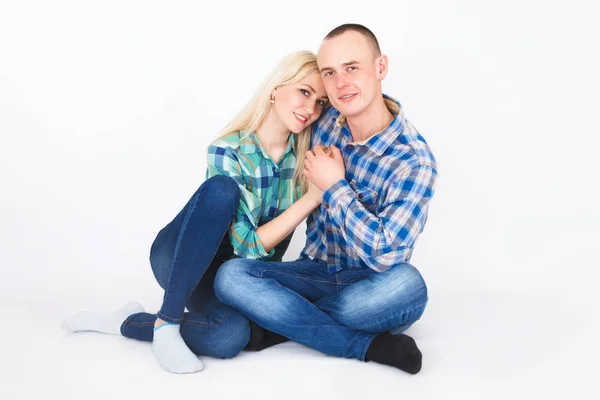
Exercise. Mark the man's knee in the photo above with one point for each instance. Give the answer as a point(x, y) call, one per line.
point(383, 301)
point(408, 282)
point(228, 280)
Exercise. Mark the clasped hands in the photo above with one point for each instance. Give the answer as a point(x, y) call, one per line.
point(323, 167)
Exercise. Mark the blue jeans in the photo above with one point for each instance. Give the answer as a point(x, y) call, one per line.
point(184, 258)
point(337, 314)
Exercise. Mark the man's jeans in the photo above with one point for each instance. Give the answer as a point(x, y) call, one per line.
point(185, 257)
point(337, 314)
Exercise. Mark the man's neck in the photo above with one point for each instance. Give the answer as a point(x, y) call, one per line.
point(371, 121)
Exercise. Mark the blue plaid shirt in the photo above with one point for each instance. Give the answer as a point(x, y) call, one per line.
point(372, 218)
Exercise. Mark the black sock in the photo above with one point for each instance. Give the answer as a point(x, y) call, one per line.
point(261, 338)
point(398, 351)
point(256, 335)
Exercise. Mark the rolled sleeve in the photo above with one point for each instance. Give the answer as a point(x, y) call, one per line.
point(245, 241)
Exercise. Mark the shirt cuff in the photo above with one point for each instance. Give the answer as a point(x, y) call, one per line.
point(337, 199)
point(262, 253)
point(242, 249)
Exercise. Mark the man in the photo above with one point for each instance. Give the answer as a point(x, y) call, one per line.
point(353, 290)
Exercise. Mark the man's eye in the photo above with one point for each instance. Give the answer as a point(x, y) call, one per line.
point(351, 68)
point(328, 73)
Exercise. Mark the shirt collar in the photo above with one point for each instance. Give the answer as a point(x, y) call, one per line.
point(379, 142)
point(249, 144)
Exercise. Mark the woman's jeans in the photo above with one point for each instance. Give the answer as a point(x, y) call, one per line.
point(185, 257)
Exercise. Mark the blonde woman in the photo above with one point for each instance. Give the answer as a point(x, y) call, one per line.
point(254, 197)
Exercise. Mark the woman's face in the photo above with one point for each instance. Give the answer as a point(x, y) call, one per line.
point(300, 104)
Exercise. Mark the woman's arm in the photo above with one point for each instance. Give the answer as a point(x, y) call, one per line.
point(274, 231)
point(246, 235)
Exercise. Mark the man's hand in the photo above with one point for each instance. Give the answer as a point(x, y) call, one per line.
point(322, 169)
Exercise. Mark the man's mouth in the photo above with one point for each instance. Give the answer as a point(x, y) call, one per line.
point(347, 97)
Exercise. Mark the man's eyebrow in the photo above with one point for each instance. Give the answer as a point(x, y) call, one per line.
point(343, 64)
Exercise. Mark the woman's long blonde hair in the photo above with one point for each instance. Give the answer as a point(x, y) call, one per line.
point(291, 69)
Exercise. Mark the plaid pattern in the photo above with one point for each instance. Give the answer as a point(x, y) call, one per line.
point(372, 218)
point(266, 187)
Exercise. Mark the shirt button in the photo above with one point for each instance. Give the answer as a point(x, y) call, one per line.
point(360, 196)
point(327, 206)
point(350, 146)
point(329, 232)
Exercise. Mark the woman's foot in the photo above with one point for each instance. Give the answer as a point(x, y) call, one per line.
point(171, 351)
point(105, 322)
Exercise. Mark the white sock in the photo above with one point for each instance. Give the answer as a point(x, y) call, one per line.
point(106, 322)
point(171, 351)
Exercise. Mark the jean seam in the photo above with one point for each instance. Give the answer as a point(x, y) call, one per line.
point(166, 318)
point(180, 236)
point(209, 264)
point(345, 282)
point(294, 275)
point(224, 316)
point(138, 323)
point(198, 323)
point(128, 321)
point(210, 324)
point(387, 318)
point(177, 246)
point(363, 352)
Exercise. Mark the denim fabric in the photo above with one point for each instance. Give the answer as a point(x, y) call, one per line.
point(338, 314)
point(184, 258)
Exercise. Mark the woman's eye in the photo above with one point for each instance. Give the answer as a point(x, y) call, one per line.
point(321, 103)
point(305, 92)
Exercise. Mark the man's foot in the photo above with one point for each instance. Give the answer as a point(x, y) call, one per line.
point(398, 351)
point(261, 338)
point(105, 322)
point(171, 351)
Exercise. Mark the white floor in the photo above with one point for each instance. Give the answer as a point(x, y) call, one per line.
point(106, 111)
point(475, 346)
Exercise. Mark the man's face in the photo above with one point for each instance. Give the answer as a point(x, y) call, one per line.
point(349, 68)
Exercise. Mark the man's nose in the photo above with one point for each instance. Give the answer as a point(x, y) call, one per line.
point(340, 81)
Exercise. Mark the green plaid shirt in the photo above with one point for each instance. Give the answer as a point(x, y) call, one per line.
point(266, 186)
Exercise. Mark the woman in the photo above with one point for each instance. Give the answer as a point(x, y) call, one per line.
point(254, 191)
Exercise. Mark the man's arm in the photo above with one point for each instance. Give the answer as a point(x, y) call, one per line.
point(381, 238)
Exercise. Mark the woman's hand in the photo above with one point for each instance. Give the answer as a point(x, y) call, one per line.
point(314, 193)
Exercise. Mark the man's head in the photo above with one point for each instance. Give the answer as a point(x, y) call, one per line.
point(352, 68)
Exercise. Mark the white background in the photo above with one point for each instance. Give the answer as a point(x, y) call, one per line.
point(106, 110)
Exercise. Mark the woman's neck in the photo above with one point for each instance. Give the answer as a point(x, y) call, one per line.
point(273, 136)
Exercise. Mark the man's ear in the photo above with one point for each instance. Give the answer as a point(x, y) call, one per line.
point(381, 66)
